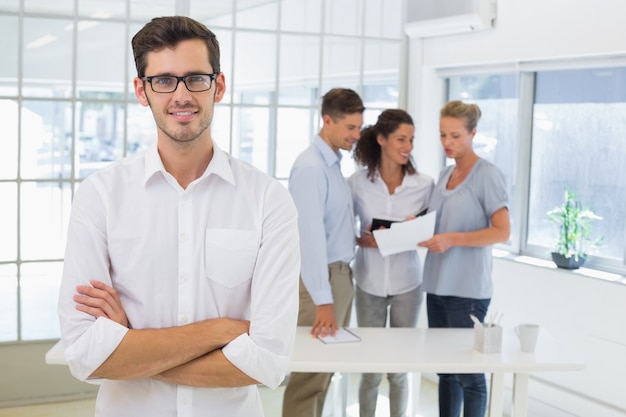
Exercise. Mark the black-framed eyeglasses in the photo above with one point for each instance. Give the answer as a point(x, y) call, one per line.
point(169, 83)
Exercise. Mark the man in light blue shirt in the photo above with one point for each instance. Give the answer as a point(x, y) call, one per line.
point(326, 226)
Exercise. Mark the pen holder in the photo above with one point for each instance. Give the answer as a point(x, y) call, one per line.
point(487, 339)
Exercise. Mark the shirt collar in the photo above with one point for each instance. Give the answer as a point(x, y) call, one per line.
point(219, 165)
point(407, 181)
point(327, 152)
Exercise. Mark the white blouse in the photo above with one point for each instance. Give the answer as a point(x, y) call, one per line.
point(394, 274)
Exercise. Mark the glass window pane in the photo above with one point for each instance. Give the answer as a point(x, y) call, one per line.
point(383, 19)
point(47, 57)
point(301, 16)
point(59, 7)
point(579, 120)
point(381, 74)
point(8, 144)
point(39, 294)
point(341, 63)
point(46, 141)
point(496, 134)
point(8, 69)
point(251, 135)
point(132, 70)
point(8, 225)
point(343, 17)
point(212, 12)
point(100, 136)
point(370, 116)
point(380, 94)
point(8, 303)
point(306, 95)
point(44, 212)
point(147, 9)
point(225, 38)
point(9, 5)
point(220, 127)
point(348, 165)
point(141, 128)
point(101, 51)
point(255, 72)
point(294, 131)
point(102, 9)
point(257, 14)
point(299, 69)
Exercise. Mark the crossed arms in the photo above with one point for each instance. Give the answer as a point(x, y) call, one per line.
point(187, 355)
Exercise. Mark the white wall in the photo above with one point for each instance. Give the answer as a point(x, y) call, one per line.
point(587, 313)
point(525, 31)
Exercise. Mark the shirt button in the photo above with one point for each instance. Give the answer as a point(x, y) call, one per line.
point(184, 236)
point(183, 278)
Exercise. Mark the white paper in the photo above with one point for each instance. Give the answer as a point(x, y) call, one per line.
point(404, 236)
point(342, 335)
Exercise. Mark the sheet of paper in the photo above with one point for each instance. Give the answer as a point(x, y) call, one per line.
point(404, 236)
point(342, 335)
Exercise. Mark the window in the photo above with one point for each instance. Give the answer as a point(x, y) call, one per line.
point(496, 133)
point(579, 125)
point(550, 131)
point(67, 108)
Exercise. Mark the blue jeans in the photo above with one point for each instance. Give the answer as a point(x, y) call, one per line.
point(371, 311)
point(469, 390)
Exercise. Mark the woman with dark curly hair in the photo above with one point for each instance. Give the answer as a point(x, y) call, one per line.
point(387, 187)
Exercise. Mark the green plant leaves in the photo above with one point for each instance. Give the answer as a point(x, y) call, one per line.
point(575, 227)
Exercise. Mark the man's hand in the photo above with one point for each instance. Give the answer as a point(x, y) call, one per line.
point(325, 322)
point(211, 370)
point(100, 300)
point(149, 352)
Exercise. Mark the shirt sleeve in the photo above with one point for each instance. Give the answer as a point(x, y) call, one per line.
point(308, 186)
point(494, 194)
point(353, 184)
point(264, 353)
point(87, 342)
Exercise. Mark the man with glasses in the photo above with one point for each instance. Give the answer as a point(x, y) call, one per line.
point(179, 291)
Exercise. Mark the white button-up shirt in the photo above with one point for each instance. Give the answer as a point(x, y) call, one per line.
point(227, 246)
point(393, 274)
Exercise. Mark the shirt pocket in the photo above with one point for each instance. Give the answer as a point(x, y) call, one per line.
point(230, 255)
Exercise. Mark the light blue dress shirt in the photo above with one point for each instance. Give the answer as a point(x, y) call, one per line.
point(325, 216)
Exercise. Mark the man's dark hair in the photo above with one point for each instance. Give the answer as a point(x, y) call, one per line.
point(340, 102)
point(167, 32)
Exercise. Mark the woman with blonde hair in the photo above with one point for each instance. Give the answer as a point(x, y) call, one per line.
point(471, 202)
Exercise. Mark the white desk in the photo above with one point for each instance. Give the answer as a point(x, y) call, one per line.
point(427, 350)
point(437, 351)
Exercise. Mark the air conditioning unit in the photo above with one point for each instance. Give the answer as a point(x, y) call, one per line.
point(427, 18)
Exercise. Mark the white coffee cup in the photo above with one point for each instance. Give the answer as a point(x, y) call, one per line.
point(527, 335)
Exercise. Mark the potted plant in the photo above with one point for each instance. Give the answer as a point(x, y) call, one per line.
point(574, 224)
